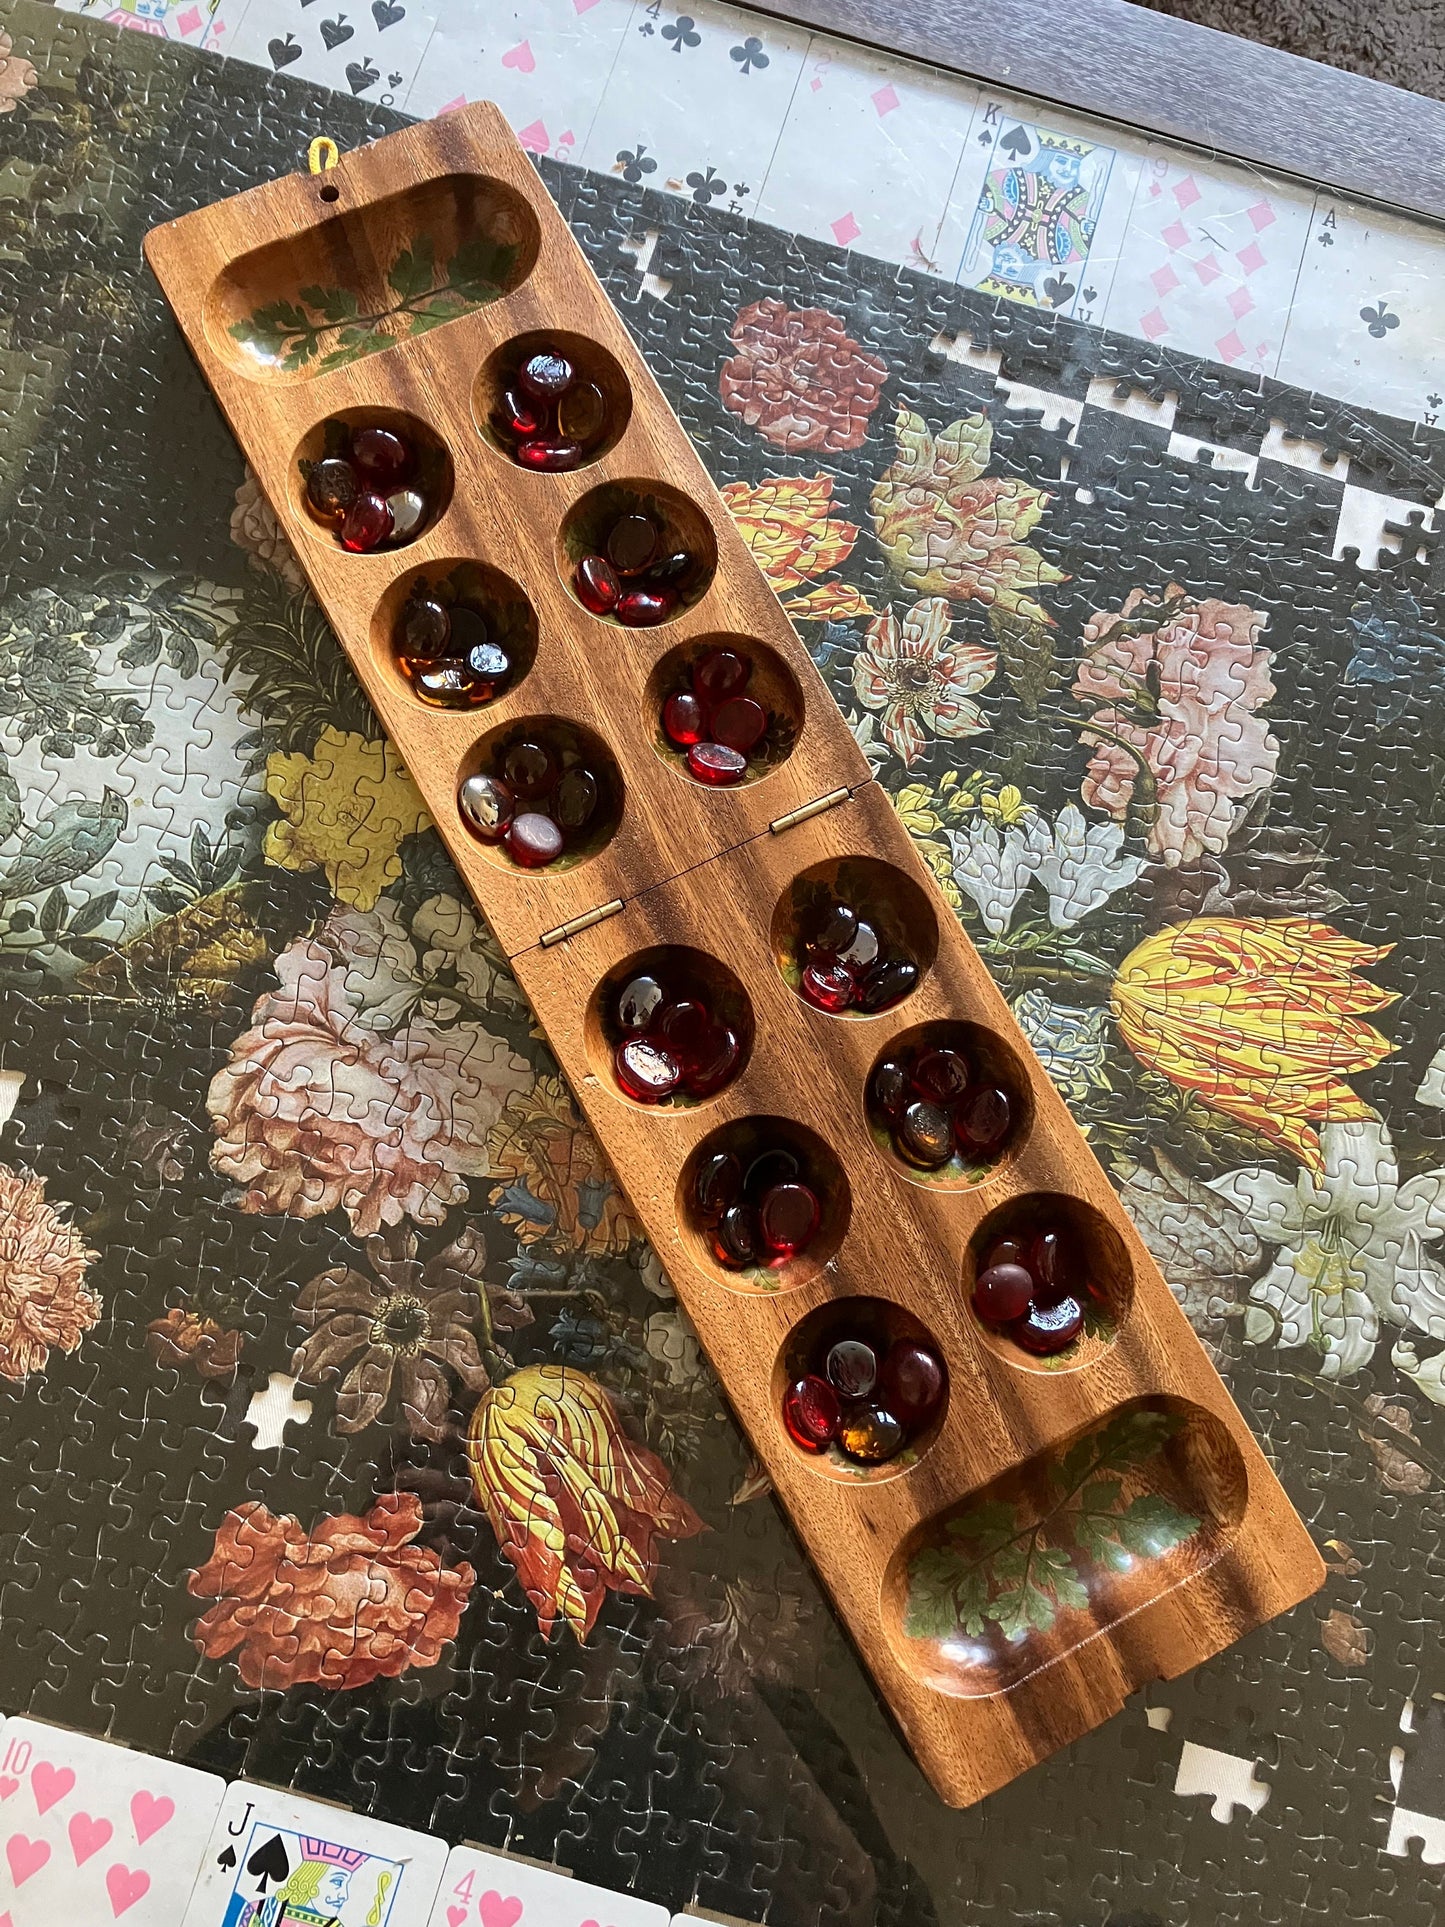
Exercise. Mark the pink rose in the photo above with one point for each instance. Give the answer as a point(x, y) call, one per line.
point(1179, 682)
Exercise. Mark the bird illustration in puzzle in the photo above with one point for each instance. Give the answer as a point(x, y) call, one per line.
point(71, 840)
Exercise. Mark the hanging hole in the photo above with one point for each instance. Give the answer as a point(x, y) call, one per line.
point(330, 193)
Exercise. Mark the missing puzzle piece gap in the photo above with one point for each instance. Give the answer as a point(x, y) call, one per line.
point(1375, 525)
point(960, 347)
point(1054, 410)
point(1225, 1778)
point(1297, 452)
point(1184, 448)
point(657, 286)
point(272, 1409)
point(1107, 391)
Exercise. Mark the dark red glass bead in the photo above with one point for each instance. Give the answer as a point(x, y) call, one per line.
point(740, 723)
point(788, 1217)
point(811, 1413)
point(1002, 1293)
point(942, 1075)
point(549, 455)
point(911, 1382)
point(632, 543)
point(861, 955)
point(487, 805)
point(924, 1135)
point(582, 412)
point(596, 584)
point(735, 1241)
point(721, 675)
point(366, 524)
point(331, 488)
point(425, 627)
point(645, 1071)
point(683, 720)
point(408, 514)
point(716, 765)
point(639, 1002)
point(521, 415)
point(1007, 1251)
point(718, 1057)
point(469, 627)
point(833, 931)
point(827, 986)
point(1047, 1329)
point(671, 571)
point(887, 984)
point(381, 457)
point(889, 1089)
point(719, 1183)
point(981, 1121)
point(446, 683)
point(575, 799)
point(851, 1368)
point(1048, 1261)
point(683, 1027)
point(546, 374)
point(644, 609)
point(776, 1165)
point(530, 768)
point(490, 669)
point(533, 840)
point(873, 1436)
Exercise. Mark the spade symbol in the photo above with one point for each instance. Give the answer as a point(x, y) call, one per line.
point(269, 1862)
point(362, 75)
point(385, 14)
point(1057, 290)
point(333, 32)
point(1016, 144)
point(227, 1859)
point(283, 52)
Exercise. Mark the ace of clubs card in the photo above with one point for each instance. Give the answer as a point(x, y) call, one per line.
point(277, 1860)
point(94, 1833)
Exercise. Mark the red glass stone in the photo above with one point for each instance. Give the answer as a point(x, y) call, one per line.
point(530, 768)
point(1003, 1293)
point(827, 987)
point(582, 412)
point(887, 984)
point(981, 1121)
point(924, 1135)
point(942, 1075)
point(645, 1071)
point(719, 1183)
point(331, 488)
point(683, 1027)
point(811, 1413)
point(721, 675)
point(549, 455)
point(833, 931)
point(575, 799)
point(716, 765)
point(639, 1002)
point(632, 543)
point(1047, 1329)
point(644, 609)
point(487, 805)
point(546, 374)
point(596, 584)
point(851, 1368)
point(533, 840)
point(740, 723)
point(425, 627)
point(889, 1089)
point(408, 514)
point(1048, 1260)
point(735, 1241)
point(382, 458)
point(776, 1165)
point(520, 414)
point(717, 1060)
point(366, 524)
point(872, 1437)
point(788, 1218)
point(1007, 1251)
point(683, 721)
point(911, 1382)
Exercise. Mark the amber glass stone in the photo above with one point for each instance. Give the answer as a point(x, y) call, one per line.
point(788, 1217)
point(911, 1382)
point(546, 375)
point(941, 1075)
point(1047, 1329)
point(596, 584)
point(1003, 1293)
point(530, 768)
point(716, 765)
point(382, 458)
point(873, 1436)
point(632, 543)
point(645, 1071)
point(366, 524)
point(833, 931)
point(924, 1135)
point(719, 1183)
point(331, 488)
point(643, 609)
point(827, 986)
point(533, 840)
point(487, 805)
point(890, 1088)
point(735, 1241)
point(425, 627)
point(811, 1413)
point(981, 1121)
point(721, 675)
point(851, 1367)
point(683, 721)
point(575, 799)
point(739, 723)
point(446, 683)
point(639, 1002)
point(408, 513)
point(887, 984)
point(582, 412)
point(549, 455)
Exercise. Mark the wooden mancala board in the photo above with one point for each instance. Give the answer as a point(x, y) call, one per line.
point(1065, 1529)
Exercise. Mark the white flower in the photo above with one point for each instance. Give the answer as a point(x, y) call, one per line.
point(1070, 1041)
point(454, 939)
point(1432, 1084)
point(1351, 1248)
point(1078, 863)
point(993, 865)
point(1428, 1378)
point(671, 1340)
point(378, 961)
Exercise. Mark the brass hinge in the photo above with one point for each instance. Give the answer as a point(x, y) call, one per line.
point(574, 925)
point(809, 810)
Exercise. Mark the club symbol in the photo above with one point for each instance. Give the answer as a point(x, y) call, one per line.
point(635, 163)
point(750, 54)
point(707, 187)
point(1325, 238)
point(682, 33)
point(1379, 320)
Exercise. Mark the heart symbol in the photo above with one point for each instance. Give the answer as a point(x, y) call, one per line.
point(385, 15)
point(455, 1916)
point(87, 1836)
point(283, 52)
point(522, 58)
point(49, 1784)
point(125, 1886)
point(361, 77)
point(333, 32)
point(496, 1912)
point(25, 1856)
point(150, 1814)
point(7, 1786)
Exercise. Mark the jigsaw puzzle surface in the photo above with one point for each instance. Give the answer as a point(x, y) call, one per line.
point(1150, 654)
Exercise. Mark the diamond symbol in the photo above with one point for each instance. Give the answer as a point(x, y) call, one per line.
point(1208, 269)
point(1186, 194)
point(1165, 280)
point(533, 139)
point(1240, 303)
point(885, 100)
point(846, 230)
point(1250, 258)
point(815, 84)
point(1262, 215)
point(453, 105)
point(1175, 235)
point(1230, 346)
point(1153, 324)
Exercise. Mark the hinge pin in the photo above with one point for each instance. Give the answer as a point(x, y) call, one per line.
point(815, 808)
point(574, 925)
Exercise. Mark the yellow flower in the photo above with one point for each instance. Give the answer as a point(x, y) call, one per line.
point(916, 807)
point(555, 1183)
point(346, 809)
point(1005, 806)
point(575, 1503)
point(789, 525)
point(950, 529)
point(1261, 1016)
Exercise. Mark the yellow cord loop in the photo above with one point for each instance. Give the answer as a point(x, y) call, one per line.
point(323, 153)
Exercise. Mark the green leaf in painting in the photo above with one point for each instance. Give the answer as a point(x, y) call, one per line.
point(52, 913)
point(413, 272)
